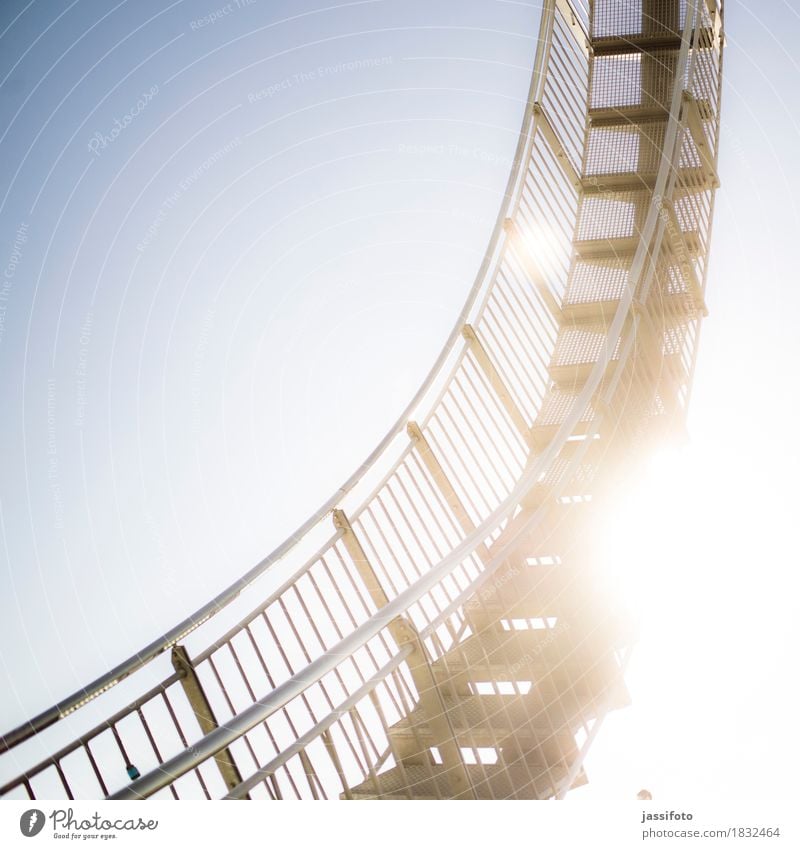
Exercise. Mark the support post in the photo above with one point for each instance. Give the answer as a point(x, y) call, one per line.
point(531, 269)
point(430, 697)
point(359, 558)
point(682, 254)
point(496, 381)
point(203, 712)
point(692, 118)
point(443, 483)
point(576, 30)
point(559, 152)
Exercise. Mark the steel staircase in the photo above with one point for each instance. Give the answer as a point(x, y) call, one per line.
point(448, 634)
point(519, 697)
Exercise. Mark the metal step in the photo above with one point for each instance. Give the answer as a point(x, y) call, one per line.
point(626, 115)
point(519, 723)
point(629, 181)
point(623, 247)
point(639, 43)
point(573, 656)
point(499, 655)
point(577, 349)
point(683, 305)
point(557, 405)
point(580, 677)
point(547, 542)
point(495, 781)
point(648, 113)
point(575, 375)
point(531, 593)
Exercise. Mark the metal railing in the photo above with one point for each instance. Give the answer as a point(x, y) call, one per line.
point(580, 328)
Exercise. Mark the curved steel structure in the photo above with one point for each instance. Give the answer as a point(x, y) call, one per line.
point(437, 628)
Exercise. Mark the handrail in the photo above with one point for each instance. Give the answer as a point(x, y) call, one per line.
point(220, 738)
point(203, 614)
point(259, 711)
point(538, 460)
point(322, 726)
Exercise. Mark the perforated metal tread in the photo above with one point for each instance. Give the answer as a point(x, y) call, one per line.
point(638, 43)
point(578, 311)
point(518, 781)
point(533, 721)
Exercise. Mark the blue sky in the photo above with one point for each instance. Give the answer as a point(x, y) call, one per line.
point(231, 250)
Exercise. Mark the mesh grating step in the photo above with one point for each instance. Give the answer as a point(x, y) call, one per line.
point(639, 114)
point(682, 307)
point(638, 43)
point(495, 652)
point(623, 114)
point(625, 247)
point(526, 592)
point(497, 781)
point(698, 178)
point(492, 721)
point(585, 667)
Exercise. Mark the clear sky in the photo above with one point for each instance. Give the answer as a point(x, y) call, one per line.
point(234, 237)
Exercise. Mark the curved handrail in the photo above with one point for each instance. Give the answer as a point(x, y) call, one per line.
point(426, 598)
point(650, 236)
point(136, 661)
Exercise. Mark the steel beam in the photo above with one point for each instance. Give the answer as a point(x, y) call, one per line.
point(404, 634)
point(441, 480)
point(528, 261)
point(561, 155)
point(496, 381)
point(203, 712)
